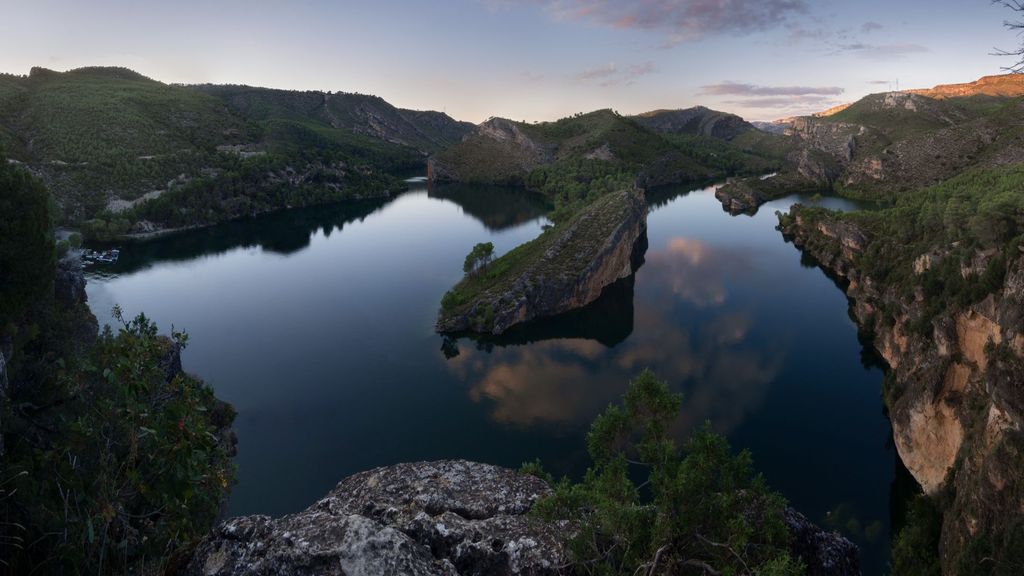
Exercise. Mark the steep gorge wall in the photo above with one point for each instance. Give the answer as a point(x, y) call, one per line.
point(956, 397)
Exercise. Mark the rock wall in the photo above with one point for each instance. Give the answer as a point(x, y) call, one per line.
point(957, 405)
point(448, 517)
point(602, 244)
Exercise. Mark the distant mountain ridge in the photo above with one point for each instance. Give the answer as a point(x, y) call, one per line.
point(372, 116)
point(696, 121)
point(568, 155)
point(997, 86)
point(1003, 85)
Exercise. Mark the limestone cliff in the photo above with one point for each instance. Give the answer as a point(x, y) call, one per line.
point(1003, 85)
point(449, 517)
point(566, 268)
point(957, 398)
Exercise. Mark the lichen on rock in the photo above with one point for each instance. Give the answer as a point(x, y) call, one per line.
point(447, 517)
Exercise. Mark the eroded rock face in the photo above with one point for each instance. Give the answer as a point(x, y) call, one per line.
point(602, 244)
point(436, 518)
point(448, 517)
point(957, 408)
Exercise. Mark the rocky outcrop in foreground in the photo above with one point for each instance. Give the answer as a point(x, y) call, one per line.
point(449, 517)
point(957, 404)
point(566, 268)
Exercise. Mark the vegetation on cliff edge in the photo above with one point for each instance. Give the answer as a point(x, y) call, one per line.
point(962, 234)
point(111, 458)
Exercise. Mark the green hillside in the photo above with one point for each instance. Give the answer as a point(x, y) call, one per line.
point(123, 153)
point(901, 142)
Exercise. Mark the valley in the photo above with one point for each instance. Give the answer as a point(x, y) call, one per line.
point(839, 293)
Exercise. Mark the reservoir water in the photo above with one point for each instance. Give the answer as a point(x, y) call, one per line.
point(317, 325)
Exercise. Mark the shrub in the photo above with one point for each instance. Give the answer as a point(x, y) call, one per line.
point(132, 467)
point(701, 510)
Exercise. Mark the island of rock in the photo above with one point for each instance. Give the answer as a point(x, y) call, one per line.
point(566, 268)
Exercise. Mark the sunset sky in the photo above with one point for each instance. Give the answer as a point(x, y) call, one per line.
point(527, 59)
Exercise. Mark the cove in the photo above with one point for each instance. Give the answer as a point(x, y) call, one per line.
point(318, 326)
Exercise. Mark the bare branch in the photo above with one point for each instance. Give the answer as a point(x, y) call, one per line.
point(727, 547)
point(1018, 25)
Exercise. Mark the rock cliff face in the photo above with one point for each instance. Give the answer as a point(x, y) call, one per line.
point(957, 404)
point(449, 517)
point(566, 268)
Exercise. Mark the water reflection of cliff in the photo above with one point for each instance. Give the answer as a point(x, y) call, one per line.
point(686, 330)
point(496, 207)
point(663, 195)
point(289, 231)
point(284, 232)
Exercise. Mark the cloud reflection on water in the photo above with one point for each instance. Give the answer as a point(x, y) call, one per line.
point(686, 330)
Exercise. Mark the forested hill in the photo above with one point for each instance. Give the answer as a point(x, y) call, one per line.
point(584, 155)
point(696, 121)
point(129, 154)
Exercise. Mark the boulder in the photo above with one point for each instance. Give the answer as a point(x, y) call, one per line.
point(446, 517)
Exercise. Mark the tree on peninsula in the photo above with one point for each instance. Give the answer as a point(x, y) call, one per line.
point(478, 258)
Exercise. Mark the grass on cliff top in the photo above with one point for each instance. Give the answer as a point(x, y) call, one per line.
point(582, 235)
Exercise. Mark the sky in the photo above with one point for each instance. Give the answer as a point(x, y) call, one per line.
point(530, 60)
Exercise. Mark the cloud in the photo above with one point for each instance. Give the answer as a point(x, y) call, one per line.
point(795, 103)
point(880, 82)
point(869, 27)
point(681, 20)
point(598, 73)
point(751, 90)
point(799, 33)
point(881, 51)
point(531, 78)
point(612, 75)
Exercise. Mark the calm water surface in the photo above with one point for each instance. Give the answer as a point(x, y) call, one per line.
point(317, 325)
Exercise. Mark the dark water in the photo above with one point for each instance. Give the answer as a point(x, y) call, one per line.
point(318, 326)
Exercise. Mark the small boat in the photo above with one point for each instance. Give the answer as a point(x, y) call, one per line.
point(108, 256)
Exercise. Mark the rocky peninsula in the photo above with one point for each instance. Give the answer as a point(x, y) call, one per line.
point(566, 268)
